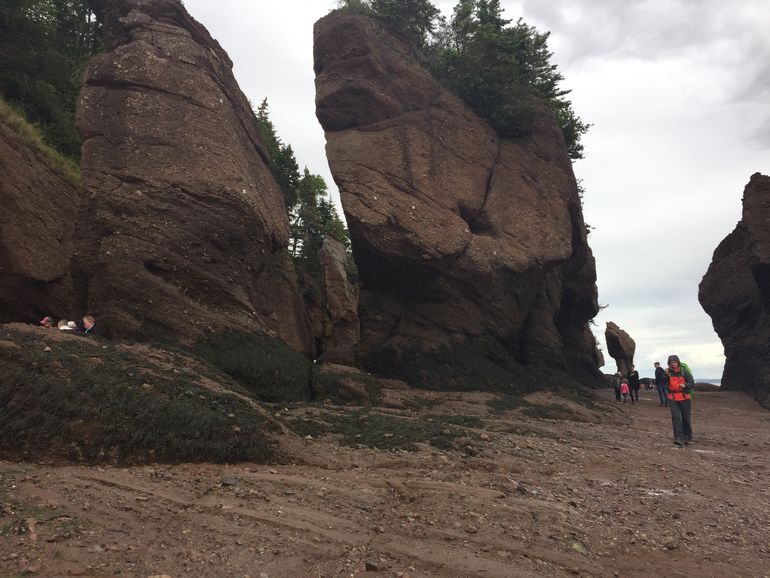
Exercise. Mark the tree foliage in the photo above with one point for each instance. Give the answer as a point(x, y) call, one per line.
point(44, 45)
point(415, 18)
point(499, 69)
point(312, 215)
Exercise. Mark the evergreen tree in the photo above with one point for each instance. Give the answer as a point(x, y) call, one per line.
point(44, 46)
point(312, 216)
point(283, 164)
point(415, 18)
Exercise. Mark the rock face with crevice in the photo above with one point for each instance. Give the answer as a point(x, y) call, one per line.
point(735, 292)
point(620, 347)
point(461, 237)
point(41, 209)
point(187, 224)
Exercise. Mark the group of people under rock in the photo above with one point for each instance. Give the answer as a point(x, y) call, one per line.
point(87, 325)
point(675, 386)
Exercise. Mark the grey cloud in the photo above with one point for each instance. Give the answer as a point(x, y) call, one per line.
point(760, 137)
point(649, 30)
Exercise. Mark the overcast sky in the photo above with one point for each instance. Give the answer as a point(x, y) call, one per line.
point(678, 92)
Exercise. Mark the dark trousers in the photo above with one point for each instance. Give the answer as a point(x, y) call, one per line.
point(680, 419)
point(617, 394)
point(663, 394)
point(634, 393)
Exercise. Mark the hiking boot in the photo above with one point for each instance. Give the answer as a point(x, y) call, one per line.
point(678, 443)
point(687, 442)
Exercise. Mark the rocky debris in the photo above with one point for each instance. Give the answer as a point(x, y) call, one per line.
point(187, 225)
point(41, 210)
point(620, 347)
point(735, 292)
point(459, 236)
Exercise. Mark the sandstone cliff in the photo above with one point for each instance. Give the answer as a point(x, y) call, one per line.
point(735, 292)
point(620, 347)
point(471, 249)
point(187, 223)
point(41, 209)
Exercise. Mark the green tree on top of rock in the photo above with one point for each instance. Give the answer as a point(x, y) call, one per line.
point(416, 18)
point(499, 69)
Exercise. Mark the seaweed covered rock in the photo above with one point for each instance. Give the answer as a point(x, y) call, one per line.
point(187, 225)
point(344, 385)
point(620, 347)
point(65, 397)
point(468, 245)
point(735, 292)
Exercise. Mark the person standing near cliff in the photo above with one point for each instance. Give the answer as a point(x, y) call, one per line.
point(633, 384)
point(616, 379)
point(680, 385)
point(660, 384)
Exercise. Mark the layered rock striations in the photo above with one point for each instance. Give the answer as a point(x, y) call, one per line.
point(465, 242)
point(620, 347)
point(187, 224)
point(41, 209)
point(735, 292)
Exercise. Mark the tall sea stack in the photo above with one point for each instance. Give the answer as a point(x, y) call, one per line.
point(471, 248)
point(735, 292)
point(187, 226)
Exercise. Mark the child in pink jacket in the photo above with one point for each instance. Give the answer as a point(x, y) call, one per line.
point(624, 389)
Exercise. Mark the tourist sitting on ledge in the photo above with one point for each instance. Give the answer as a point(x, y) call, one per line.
point(48, 322)
point(90, 327)
point(70, 326)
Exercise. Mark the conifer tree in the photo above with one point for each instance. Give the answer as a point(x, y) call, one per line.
point(44, 46)
point(500, 70)
point(312, 215)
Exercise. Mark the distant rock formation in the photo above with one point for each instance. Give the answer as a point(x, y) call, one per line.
point(341, 329)
point(187, 224)
point(471, 248)
point(40, 212)
point(735, 292)
point(620, 347)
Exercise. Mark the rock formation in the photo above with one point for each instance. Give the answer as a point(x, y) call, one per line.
point(735, 292)
point(40, 211)
point(341, 329)
point(471, 248)
point(620, 347)
point(187, 224)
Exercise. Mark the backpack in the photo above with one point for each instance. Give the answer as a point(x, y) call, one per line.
point(686, 369)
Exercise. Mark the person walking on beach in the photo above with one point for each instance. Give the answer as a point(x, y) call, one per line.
point(660, 382)
point(680, 385)
point(633, 384)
